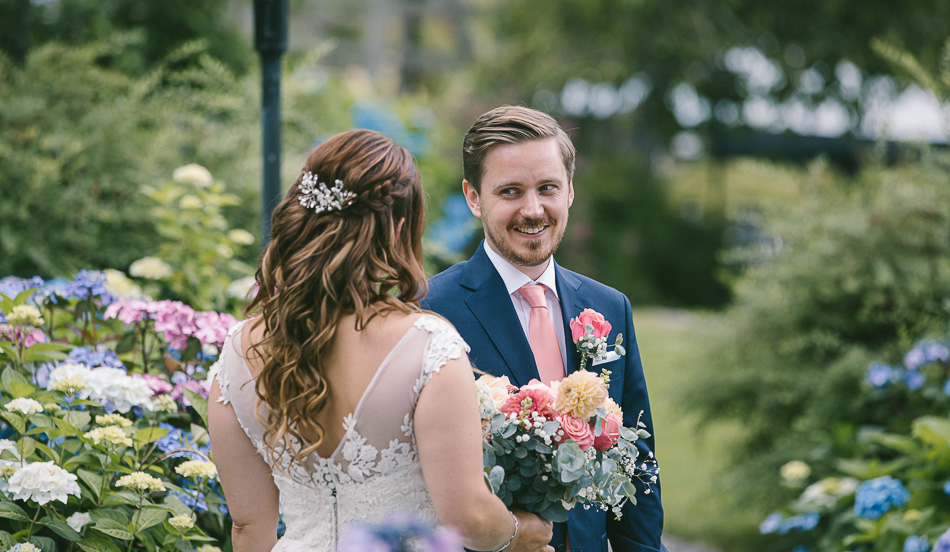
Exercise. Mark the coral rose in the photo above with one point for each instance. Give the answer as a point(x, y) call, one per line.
point(592, 317)
point(578, 430)
point(610, 432)
point(526, 401)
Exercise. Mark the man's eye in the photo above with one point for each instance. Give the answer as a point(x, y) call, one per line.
point(509, 192)
point(548, 188)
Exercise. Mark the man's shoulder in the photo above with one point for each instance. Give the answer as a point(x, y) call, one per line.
point(591, 286)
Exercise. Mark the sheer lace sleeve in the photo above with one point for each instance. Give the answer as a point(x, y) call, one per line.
point(444, 344)
point(223, 368)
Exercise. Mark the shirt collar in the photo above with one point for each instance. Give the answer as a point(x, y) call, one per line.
point(514, 278)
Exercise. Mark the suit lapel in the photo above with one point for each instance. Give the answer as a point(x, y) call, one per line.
point(492, 307)
point(573, 301)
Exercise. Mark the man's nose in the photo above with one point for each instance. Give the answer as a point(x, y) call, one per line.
point(531, 206)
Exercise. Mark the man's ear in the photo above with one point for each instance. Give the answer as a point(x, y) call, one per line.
point(471, 197)
point(570, 193)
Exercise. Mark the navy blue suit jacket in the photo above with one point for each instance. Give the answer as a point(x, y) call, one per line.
point(473, 297)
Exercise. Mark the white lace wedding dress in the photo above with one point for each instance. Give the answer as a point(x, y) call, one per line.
point(374, 471)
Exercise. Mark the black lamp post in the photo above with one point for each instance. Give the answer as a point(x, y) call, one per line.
point(270, 39)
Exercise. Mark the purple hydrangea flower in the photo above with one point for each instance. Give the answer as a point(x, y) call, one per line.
point(943, 543)
point(915, 543)
point(90, 283)
point(771, 523)
point(926, 352)
point(93, 357)
point(875, 497)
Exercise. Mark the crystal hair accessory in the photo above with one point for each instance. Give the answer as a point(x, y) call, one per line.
point(319, 197)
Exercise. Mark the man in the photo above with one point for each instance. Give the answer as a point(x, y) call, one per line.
point(518, 168)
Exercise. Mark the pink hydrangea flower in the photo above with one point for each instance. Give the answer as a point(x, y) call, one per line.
point(157, 384)
point(212, 327)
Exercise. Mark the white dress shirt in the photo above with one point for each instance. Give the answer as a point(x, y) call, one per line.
point(514, 279)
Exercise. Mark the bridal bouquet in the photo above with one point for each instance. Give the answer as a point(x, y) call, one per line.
point(547, 449)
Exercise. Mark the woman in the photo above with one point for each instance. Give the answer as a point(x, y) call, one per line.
point(341, 400)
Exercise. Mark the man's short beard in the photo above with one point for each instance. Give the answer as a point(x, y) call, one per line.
point(537, 256)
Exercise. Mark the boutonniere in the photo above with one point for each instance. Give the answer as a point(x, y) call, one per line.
point(589, 332)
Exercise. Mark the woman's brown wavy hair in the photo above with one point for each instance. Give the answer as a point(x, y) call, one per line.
point(319, 267)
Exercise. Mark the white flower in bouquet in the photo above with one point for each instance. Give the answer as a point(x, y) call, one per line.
point(486, 406)
point(69, 378)
point(110, 435)
point(142, 482)
point(78, 520)
point(182, 522)
point(116, 386)
point(42, 482)
point(193, 173)
point(197, 469)
point(24, 405)
point(151, 268)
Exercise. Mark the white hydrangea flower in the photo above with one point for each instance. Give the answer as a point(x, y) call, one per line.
point(25, 315)
point(207, 548)
point(111, 435)
point(24, 547)
point(106, 383)
point(141, 481)
point(113, 420)
point(151, 268)
point(190, 201)
point(182, 522)
point(8, 467)
point(24, 405)
point(42, 482)
point(193, 173)
point(71, 374)
point(241, 236)
point(238, 288)
point(78, 520)
point(196, 469)
point(118, 284)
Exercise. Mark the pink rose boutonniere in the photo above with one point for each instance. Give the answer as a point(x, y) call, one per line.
point(589, 332)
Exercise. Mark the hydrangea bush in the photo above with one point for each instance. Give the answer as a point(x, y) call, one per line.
point(103, 406)
point(874, 489)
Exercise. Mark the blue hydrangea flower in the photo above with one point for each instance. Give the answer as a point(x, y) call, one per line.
point(90, 283)
point(11, 286)
point(915, 543)
point(914, 380)
point(926, 352)
point(91, 357)
point(771, 523)
point(177, 439)
point(53, 290)
point(875, 497)
point(943, 543)
point(800, 522)
point(801, 548)
point(946, 388)
point(946, 487)
point(880, 375)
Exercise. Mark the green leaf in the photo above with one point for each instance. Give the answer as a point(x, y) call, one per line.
point(92, 480)
point(9, 350)
point(49, 452)
point(20, 389)
point(110, 513)
point(6, 540)
point(77, 418)
point(61, 528)
point(148, 517)
point(121, 497)
point(933, 430)
point(9, 510)
point(95, 543)
point(9, 374)
point(33, 354)
point(45, 544)
point(113, 529)
point(199, 403)
point(126, 344)
point(148, 435)
point(17, 421)
point(26, 446)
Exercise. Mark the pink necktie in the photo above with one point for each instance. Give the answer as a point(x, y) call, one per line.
point(541, 334)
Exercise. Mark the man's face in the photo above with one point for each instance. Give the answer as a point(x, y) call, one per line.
point(524, 200)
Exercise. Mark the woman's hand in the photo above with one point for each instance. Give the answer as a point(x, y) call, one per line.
point(534, 534)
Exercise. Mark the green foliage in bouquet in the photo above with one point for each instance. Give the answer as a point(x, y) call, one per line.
point(103, 416)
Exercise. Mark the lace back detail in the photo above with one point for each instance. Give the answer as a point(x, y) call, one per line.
point(374, 471)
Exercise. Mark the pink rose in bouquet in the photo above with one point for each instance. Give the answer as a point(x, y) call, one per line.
point(609, 434)
point(575, 429)
point(589, 317)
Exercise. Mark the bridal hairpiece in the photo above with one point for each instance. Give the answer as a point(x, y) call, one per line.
point(319, 197)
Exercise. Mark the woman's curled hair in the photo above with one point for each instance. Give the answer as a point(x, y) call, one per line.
point(364, 259)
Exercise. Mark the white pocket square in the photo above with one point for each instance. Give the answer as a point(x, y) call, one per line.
point(611, 356)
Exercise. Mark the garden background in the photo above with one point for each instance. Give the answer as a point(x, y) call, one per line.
point(767, 182)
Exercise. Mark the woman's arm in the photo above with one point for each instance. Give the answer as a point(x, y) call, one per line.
point(449, 438)
point(245, 478)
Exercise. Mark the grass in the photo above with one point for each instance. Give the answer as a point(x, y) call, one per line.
point(696, 507)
